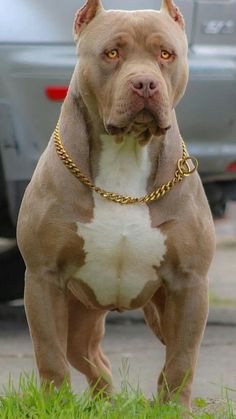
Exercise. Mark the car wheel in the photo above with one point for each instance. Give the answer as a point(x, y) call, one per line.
point(218, 209)
point(12, 271)
point(216, 198)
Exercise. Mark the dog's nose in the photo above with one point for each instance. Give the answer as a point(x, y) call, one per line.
point(144, 86)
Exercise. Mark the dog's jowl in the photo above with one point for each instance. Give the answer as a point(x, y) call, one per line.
point(115, 217)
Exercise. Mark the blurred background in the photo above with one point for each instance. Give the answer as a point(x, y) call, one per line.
point(37, 57)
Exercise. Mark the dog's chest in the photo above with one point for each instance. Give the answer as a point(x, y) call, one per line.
point(122, 249)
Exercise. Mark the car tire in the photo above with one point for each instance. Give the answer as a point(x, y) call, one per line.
point(12, 274)
point(7, 228)
point(216, 198)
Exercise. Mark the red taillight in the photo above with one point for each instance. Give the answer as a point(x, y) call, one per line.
point(57, 93)
point(231, 167)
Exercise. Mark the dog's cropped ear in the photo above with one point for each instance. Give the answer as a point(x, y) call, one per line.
point(168, 6)
point(85, 15)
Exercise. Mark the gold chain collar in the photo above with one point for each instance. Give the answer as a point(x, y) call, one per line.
point(183, 169)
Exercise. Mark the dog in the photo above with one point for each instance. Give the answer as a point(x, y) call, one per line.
point(115, 216)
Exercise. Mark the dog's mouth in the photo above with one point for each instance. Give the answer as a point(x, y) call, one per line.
point(144, 117)
point(143, 126)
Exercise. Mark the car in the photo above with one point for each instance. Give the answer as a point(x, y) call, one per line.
point(37, 57)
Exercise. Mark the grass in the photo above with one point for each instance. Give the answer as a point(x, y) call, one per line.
point(32, 401)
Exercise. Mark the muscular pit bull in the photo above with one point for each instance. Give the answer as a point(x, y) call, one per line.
point(87, 251)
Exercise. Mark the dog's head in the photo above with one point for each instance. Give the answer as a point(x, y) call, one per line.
point(132, 67)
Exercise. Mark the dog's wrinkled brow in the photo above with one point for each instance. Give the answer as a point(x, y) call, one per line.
point(157, 39)
point(120, 40)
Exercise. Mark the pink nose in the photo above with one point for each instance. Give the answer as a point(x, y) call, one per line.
point(144, 86)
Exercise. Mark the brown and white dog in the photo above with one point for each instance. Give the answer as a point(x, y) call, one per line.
point(86, 255)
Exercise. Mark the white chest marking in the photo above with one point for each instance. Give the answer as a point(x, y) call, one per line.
point(121, 246)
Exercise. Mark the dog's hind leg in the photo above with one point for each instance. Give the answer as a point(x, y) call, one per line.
point(153, 312)
point(47, 315)
point(85, 331)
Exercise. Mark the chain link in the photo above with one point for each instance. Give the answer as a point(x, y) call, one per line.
point(183, 169)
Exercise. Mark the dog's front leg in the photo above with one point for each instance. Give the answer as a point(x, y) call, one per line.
point(85, 332)
point(47, 315)
point(182, 325)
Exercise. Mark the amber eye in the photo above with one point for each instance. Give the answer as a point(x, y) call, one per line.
point(165, 55)
point(113, 54)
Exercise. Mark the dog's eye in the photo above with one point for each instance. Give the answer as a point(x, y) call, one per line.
point(165, 55)
point(113, 54)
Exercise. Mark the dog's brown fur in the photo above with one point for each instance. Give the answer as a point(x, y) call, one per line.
point(65, 316)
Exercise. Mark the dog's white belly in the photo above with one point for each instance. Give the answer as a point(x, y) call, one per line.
point(122, 249)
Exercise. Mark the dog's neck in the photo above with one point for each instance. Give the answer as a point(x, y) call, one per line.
point(83, 134)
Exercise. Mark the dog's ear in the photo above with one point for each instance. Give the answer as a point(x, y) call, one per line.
point(168, 6)
point(85, 15)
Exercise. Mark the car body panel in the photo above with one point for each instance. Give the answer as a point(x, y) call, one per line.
point(51, 21)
